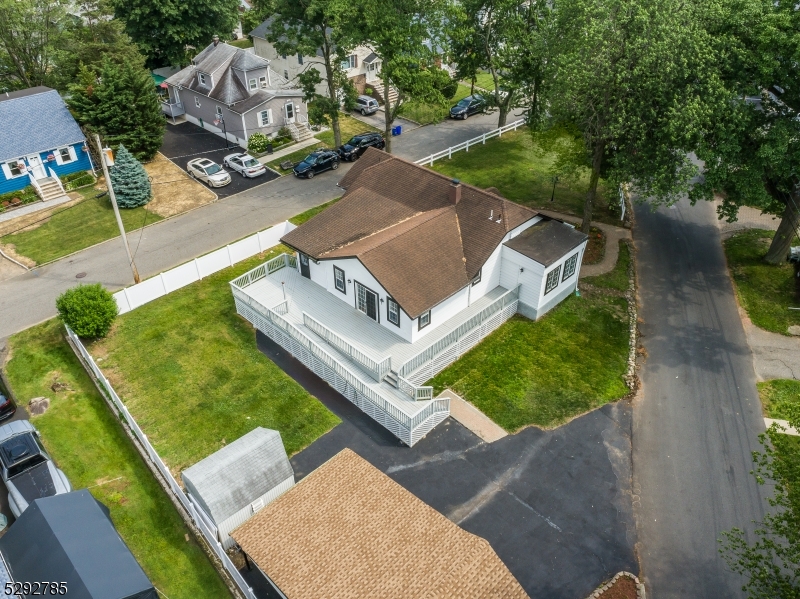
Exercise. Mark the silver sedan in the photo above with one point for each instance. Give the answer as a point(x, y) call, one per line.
point(208, 171)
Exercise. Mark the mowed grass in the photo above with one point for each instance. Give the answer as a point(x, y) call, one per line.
point(74, 228)
point(765, 291)
point(778, 396)
point(617, 278)
point(520, 165)
point(424, 113)
point(549, 371)
point(188, 369)
point(294, 157)
point(304, 216)
point(89, 444)
point(348, 127)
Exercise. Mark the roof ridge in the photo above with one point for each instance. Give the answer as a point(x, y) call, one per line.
point(361, 174)
point(431, 215)
point(461, 238)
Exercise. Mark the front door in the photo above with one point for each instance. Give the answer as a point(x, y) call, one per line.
point(304, 269)
point(37, 168)
point(367, 301)
point(289, 108)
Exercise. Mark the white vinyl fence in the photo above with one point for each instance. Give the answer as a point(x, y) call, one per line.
point(481, 139)
point(132, 297)
point(208, 530)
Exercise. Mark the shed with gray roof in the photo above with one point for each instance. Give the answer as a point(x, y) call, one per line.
point(228, 487)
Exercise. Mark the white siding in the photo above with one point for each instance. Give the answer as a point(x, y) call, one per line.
point(530, 279)
point(442, 312)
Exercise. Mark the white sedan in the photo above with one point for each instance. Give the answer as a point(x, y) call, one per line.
point(208, 171)
point(245, 165)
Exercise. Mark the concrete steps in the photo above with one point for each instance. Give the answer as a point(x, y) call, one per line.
point(50, 189)
point(378, 86)
point(300, 131)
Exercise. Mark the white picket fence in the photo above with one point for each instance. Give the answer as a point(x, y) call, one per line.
point(481, 139)
point(160, 285)
point(209, 533)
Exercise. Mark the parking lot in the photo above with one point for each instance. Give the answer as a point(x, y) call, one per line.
point(187, 141)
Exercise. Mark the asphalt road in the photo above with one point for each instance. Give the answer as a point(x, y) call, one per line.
point(554, 505)
point(698, 412)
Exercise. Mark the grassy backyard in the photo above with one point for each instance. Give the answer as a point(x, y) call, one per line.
point(547, 372)
point(424, 113)
point(90, 446)
point(764, 291)
point(521, 167)
point(188, 368)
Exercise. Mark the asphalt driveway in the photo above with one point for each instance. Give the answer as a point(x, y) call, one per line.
point(554, 505)
point(187, 141)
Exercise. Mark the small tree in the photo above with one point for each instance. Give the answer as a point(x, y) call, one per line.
point(130, 180)
point(89, 310)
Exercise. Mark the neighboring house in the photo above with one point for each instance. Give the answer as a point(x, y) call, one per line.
point(362, 66)
point(231, 485)
point(348, 531)
point(40, 142)
point(235, 93)
point(402, 276)
point(70, 540)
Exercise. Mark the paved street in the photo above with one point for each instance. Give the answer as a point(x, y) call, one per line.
point(698, 415)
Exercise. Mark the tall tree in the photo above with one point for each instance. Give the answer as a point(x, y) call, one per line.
point(131, 183)
point(165, 29)
point(752, 151)
point(121, 104)
point(632, 77)
point(311, 28)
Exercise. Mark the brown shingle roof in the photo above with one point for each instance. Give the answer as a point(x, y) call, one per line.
point(380, 221)
point(547, 241)
point(348, 531)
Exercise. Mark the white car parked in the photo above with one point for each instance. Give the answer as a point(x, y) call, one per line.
point(208, 172)
point(27, 470)
point(245, 165)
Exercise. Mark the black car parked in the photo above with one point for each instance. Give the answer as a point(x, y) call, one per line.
point(468, 106)
point(316, 162)
point(359, 144)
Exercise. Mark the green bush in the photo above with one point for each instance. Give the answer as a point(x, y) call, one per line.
point(257, 143)
point(27, 195)
point(76, 182)
point(130, 180)
point(89, 310)
point(72, 176)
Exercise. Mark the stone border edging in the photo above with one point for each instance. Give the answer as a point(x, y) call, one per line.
point(640, 592)
point(633, 315)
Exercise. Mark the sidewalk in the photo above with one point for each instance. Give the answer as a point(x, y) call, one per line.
point(290, 150)
point(35, 207)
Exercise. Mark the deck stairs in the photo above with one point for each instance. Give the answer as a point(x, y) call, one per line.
point(378, 87)
point(391, 379)
point(300, 131)
point(49, 189)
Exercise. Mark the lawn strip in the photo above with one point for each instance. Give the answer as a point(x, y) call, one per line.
point(88, 443)
point(348, 126)
point(778, 396)
point(617, 278)
point(189, 371)
point(294, 157)
point(765, 291)
point(299, 219)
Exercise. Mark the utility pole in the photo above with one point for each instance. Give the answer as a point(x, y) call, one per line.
point(103, 161)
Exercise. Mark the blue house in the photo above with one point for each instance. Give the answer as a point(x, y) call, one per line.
point(40, 142)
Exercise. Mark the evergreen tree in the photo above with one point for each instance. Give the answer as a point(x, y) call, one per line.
point(122, 105)
point(130, 180)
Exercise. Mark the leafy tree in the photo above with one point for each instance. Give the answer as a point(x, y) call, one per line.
point(632, 77)
point(311, 28)
point(130, 180)
point(163, 29)
point(772, 563)
point(121, 104)
point(30, 31)
point(752, 151)
point(89, 310)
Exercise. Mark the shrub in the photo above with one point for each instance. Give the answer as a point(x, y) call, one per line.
point(76, 182)
point(257, 143)
point(25, 195)
point(130, 180)
point(89, 310)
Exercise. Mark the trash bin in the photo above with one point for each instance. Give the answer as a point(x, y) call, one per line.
point(397, 130)
point(269, 148)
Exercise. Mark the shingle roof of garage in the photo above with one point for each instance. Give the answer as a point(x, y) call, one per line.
point(35, 120)
point(547, 241)
point(238, 474)
point(348, 531)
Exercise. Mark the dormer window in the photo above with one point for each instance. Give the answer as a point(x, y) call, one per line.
point(201, 77)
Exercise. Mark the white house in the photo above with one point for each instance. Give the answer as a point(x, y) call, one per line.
point(231, 485)
point(403, 275)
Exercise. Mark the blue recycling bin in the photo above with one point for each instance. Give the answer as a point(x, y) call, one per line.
point(397, 130)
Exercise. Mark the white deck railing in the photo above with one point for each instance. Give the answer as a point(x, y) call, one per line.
point(377, 368)
point(429, 160)
point(416, 392)
point(453, 336)
point(264, 270)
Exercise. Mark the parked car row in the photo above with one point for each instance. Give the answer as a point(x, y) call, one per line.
point(213, 175)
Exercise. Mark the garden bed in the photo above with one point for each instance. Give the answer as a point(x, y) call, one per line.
point(596, 248)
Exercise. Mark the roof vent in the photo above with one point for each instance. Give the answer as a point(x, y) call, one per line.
point(215, 39)
point(455, 191)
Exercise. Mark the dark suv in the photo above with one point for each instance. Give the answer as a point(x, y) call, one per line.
point(316, 162)
point(468, 106)
point(359, 144)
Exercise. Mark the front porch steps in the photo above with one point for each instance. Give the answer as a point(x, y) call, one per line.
point(300, 131)
point(378, 87)
point(49, 189)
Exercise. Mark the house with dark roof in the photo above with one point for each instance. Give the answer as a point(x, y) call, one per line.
point(40, 142)
point(234, 93)
point(404, 274)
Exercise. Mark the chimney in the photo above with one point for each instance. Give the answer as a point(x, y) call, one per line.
point(455, 191)
point(215, 39)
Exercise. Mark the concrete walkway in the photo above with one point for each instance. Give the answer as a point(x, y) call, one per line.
point(473, 419)
point(31, 208)
point(613, 236)
point(788, 430)
point(290, 150)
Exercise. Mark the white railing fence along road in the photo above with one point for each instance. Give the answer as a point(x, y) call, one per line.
point(481, 139)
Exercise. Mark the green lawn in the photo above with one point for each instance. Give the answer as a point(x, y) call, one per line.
point(546, 372)
point(764, 291)
point(82, 225)
point(521, 167)
point(348, 126)
point(424, 113)
point(778, 395)
point(304, 216)
point(188, 369)
point(88, 443)
point(617, 278)
point(295, 157)
point(242, 43)
point(485, 80)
